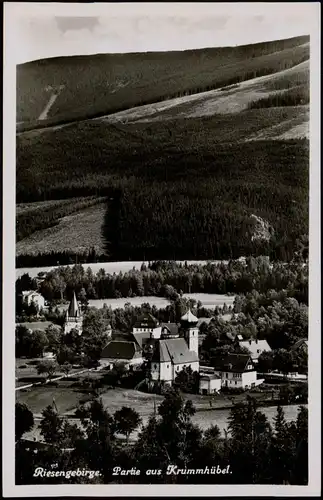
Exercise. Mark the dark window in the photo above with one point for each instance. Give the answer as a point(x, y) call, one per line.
point(155, 366)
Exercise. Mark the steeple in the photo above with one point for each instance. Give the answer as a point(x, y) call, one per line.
point(189, 318)
point(73, 309)
point(74, 317)
point(191, 332)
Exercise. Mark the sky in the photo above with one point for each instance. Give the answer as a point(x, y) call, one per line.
point(49, 30)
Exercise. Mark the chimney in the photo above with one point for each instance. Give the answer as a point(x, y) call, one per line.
point(256, 341)
point(249, 342)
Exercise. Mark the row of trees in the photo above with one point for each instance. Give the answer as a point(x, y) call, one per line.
point(171, 280)
point(296, 96)
point(255, 451)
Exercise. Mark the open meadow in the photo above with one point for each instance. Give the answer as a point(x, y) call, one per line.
point(67, 400)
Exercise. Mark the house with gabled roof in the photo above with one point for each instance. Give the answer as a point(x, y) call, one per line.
point(237, 371)
point(301, 345)
point(146, 323)
point(255, 347)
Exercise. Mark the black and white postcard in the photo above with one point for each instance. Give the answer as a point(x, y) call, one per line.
point(161, 296)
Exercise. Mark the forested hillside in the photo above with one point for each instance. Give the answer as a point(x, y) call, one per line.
point(216, 185)
point(89, 86)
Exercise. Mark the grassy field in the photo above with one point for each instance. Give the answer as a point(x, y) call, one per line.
point(76, 232)
point(67, 401)
point(209, 301)
point(26, 372)
point(113, 82)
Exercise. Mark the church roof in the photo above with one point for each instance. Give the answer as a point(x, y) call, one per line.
point(73, 309)
point(174, 350)
point(189, 317)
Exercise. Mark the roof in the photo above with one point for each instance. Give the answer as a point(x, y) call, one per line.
point(38, 325)
point(120, 349)
point(174, 350)
point(189, 317)
point(253, 346)
point(171, 327)
point(209, 376)
point(141, 337)
point(146, 321)
point(73, 309)
point(232, 362)
point(299, 343)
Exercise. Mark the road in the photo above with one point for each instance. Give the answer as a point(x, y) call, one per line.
point(57, 378)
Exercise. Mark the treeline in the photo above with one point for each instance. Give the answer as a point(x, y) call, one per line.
point(252, 452)
point(34, 220)
point(60, 258)
point(170, 280)
point(297, 96)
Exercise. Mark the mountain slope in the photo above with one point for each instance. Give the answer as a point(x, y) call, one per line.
point(89, 86)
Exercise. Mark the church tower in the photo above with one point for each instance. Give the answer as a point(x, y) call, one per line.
point(74, 317)
point(191, 331)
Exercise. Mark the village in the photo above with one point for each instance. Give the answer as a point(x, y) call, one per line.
point(159, 352)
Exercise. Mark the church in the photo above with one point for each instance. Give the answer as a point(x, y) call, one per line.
point(169, 346)
point(74, 317)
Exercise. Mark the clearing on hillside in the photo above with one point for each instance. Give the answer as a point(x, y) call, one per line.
point(77, 233)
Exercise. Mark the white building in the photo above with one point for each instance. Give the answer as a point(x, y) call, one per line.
point(237, 371)
point(210, 383)
point(33, 297)
point(255, 347)
point(171, 353)
point(74, 317)
point(145, 324)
